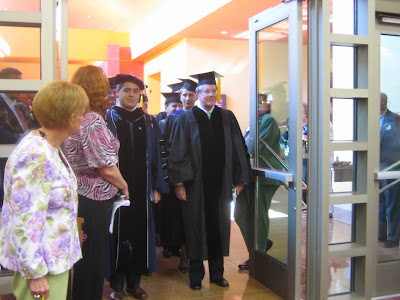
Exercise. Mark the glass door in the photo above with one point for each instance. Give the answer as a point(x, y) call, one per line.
point(277, 152)
point(388, 251)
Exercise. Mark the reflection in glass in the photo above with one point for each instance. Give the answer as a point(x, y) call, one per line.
point(20, 49)
point(339, 276)
point(273, 111)
point(341, 171)
point(340, 224)
point(20, 5)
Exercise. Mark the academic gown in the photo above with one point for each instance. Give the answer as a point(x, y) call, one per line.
point(208, 180)
point(141, 166)
point(170, 207)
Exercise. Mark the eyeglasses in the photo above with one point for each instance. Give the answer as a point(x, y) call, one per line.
point(208, 92)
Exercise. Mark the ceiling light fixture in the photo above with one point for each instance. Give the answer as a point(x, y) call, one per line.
point(89, 17)
point(224, 32)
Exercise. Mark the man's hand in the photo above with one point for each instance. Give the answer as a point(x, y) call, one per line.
point(39, 286)
point(157, 196)
point(180, 191)
point(239, 188)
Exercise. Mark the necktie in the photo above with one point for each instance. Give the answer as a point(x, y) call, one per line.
point(209, 115)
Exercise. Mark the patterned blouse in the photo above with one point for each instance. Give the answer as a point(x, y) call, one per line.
point(39, 232)
point(92, 147)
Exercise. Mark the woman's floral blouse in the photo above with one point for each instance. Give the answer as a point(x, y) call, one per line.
point(91, 148)
point(39, 233)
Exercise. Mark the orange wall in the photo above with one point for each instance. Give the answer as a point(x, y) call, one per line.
point(91, 45)
point(84, 46)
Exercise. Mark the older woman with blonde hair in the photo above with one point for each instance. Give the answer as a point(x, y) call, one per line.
point(39, 238)
point(92, 152)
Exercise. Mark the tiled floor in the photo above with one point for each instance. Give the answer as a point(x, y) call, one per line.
point(169, 283)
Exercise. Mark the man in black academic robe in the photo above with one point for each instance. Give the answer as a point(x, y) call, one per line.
point(172, 231)
point(140, 165)
point(207, 159)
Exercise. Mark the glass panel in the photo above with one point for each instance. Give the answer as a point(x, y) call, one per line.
point(342, 120)
point(340, 224)
point(273, 112)
point(20, 49)
point(341, 171)
point(20, 5)
point(389, 204)
point(342, 72)
point(339, 276)
point(342, 16)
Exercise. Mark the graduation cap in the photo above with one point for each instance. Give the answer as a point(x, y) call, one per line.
point(175, 86)
point(112, 83)
point(209, 78)
point(121, 78)
point(172, 97)
point(188, 84)
point(206, 78)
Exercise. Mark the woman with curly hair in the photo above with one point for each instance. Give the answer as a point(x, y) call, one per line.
point(39, 238)
point(92, 152)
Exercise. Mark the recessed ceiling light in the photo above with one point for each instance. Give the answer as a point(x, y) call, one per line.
point(224, 32)
point(89, 17)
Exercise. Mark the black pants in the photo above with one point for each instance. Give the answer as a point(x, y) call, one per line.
point(117, 280)
point(215, 267)
point(90, 270)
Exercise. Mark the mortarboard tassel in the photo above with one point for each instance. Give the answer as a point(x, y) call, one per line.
point(219, 89)
point(141, 101)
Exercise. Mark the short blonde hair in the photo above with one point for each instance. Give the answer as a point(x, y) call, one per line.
point(96, 85)
point(57, 101)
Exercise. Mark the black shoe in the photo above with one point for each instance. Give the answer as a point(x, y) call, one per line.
point(183, 269)
point(222, 282)
point(382, 238)
point(268, 245)
point(136, 292)
point(244, 266)
point(147, 272)
point(390, 244)
point(195, 286)
point(167, 253)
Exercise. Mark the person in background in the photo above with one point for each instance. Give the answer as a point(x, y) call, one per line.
point(175, 87)
point(166, 213)
point(112, 92)
point(170, 206)
point(93, 154)
point(39, 238)
point(389, 200)
point(172, 104)
point(141, 166)
point(145, 105)
point(207, 159)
